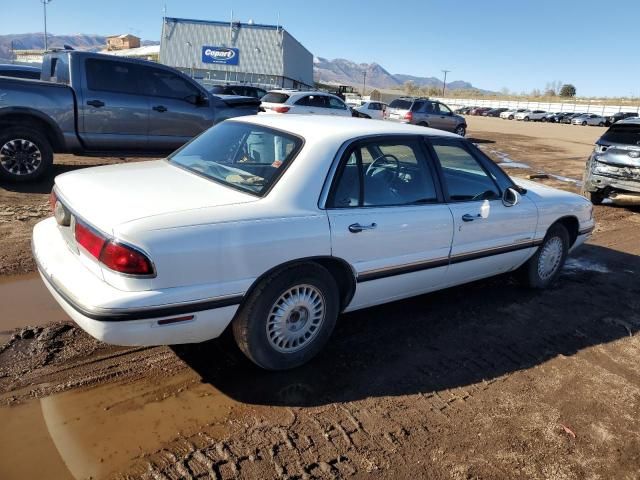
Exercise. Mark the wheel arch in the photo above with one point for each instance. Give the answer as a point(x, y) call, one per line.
point(572, 225)
point(29, 118)
point(339, 269)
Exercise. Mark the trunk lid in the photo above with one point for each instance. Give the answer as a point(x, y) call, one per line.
point(111, 195)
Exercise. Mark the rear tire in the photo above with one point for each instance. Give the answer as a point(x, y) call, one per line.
point(288, 318)
point(510, 117)
point(544, 267)
point(526, 119)
point(460, 130)
point(423, 124)
point(584, 124)
point(601, 124)
point(25, 154)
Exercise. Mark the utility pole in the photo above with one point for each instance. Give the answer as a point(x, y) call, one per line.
point(364, 81)
point(44, 6)
point(444, 82)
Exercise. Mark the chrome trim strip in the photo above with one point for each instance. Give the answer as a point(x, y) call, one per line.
point(584, 231)
point(440, 262)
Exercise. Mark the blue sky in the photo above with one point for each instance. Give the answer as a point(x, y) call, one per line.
point(519, 44)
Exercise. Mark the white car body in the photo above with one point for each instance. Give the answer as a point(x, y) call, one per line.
point(589, 119)
point(510, 114)
point(305, 103)
point(530, 115)
point(373, 109)
point(209, 244)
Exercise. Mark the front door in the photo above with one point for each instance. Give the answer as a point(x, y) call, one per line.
point(114, 115)
point(388, 221)
point(489, 238)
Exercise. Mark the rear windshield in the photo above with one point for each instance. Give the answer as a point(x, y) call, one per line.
point(401, 104)
point(628, 134)
point(275, 97)
point(243, 156)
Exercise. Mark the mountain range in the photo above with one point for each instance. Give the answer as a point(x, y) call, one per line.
point(337, 71)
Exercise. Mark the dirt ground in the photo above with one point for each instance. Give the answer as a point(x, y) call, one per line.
point(484, 381)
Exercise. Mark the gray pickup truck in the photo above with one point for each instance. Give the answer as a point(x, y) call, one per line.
point(92, 104)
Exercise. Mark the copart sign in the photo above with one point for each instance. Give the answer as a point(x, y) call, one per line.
point(224, 55)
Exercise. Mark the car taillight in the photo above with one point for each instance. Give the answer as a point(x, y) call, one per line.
point(53, 199)
point(89, 239)
point(281, 109)
point(115, 256)
point(408, 116)
point(124, 259)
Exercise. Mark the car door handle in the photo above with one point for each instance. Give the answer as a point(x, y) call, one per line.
point(357, 228)
point(160, 108)
point(467, 217)
point(95, 103)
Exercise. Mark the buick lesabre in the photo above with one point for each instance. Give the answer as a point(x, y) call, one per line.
point(274, 225)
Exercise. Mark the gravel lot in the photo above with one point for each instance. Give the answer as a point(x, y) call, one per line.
point(487, 380)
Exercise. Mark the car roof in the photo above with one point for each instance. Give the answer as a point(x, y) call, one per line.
point(633, 120)
point(340, 129)
point(21, 68)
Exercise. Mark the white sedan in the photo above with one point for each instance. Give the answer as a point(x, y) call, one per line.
point(589, 119)
point(528, 115)
point(274, 225)
point(372, 109)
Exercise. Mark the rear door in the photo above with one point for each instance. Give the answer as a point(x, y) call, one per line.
point(114, 115)
point(388, 221)
point(179, 110)
point(489, 238)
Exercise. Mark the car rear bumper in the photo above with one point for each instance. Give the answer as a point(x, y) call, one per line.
point(123, 317)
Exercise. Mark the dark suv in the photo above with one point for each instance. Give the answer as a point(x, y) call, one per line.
point(427, 113)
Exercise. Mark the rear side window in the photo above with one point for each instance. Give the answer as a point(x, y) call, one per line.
point(275, 97)
point(628, 134)
point(400, 104)
point(107, 76)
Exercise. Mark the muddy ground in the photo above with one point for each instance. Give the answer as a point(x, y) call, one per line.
point(486, 381)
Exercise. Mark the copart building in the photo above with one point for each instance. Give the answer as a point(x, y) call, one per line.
point(220, 52)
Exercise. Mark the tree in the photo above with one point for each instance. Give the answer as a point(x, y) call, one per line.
point(550, 92)
point(410, 87)
point(568, 90)
point(535, 92)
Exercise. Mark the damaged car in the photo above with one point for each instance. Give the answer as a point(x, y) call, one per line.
point(613, 169)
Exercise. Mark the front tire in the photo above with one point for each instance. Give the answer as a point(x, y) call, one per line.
point(288, 318)
point(460, 130)
point(584, 124)
point(543, 269)
point(526, 119)
point(25, 154)
point(511, 117)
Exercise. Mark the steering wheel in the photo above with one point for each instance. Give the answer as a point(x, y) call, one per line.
point(372, 166)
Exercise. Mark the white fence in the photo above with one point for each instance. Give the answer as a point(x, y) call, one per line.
point(583, 107)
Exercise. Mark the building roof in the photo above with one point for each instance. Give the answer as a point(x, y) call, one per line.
point(123, 36)
point(224, 24)
point(135, 52)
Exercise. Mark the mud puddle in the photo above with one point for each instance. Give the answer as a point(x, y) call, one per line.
point(97, 432)
point(26, 302)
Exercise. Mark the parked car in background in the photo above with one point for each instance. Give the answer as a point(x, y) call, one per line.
point(273, 225)
point(548, 116)
point(511, 114)
point(556, 117)
point(611, 119)
point(89, 103)
point(569, 118)
point(530, 115)
point(426, 113)
point(613, 169)
point(372, 109)
point(463, 110)
point(478, 111)
point(589, 119)
point(494, 112)
point(297, 102)
point(241, 90)
point(20, 71)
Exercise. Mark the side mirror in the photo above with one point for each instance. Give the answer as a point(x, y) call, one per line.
point(510, 197)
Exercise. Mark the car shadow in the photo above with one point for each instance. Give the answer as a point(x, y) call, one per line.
point(44, 184)
point(457, 338)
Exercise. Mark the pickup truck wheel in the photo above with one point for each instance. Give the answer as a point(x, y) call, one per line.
point(543, 269)
point(288, 317)
point(596, 197)
point(24, 154)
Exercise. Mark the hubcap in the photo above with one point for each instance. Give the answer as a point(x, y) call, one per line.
point(295, 318)
point(20, 157)
point(550, 258)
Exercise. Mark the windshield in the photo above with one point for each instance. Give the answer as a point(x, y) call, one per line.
point(626, 134)
point(240, 155)
point(275, 97)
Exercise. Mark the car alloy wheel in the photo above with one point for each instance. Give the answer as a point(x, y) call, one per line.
point(295, 318)
point(20, 157)
point(460, 130)
point(550, 258)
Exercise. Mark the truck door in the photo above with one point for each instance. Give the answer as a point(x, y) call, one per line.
point(113, 113)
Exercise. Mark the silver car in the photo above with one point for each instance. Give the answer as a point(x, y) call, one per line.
point(613, 169)
point(589, 119)
point(426, 113)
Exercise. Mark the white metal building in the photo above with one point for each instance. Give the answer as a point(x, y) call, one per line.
point(236, 52)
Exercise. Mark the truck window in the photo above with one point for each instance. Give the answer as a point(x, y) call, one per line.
point(109, 76)
point(161, 83)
